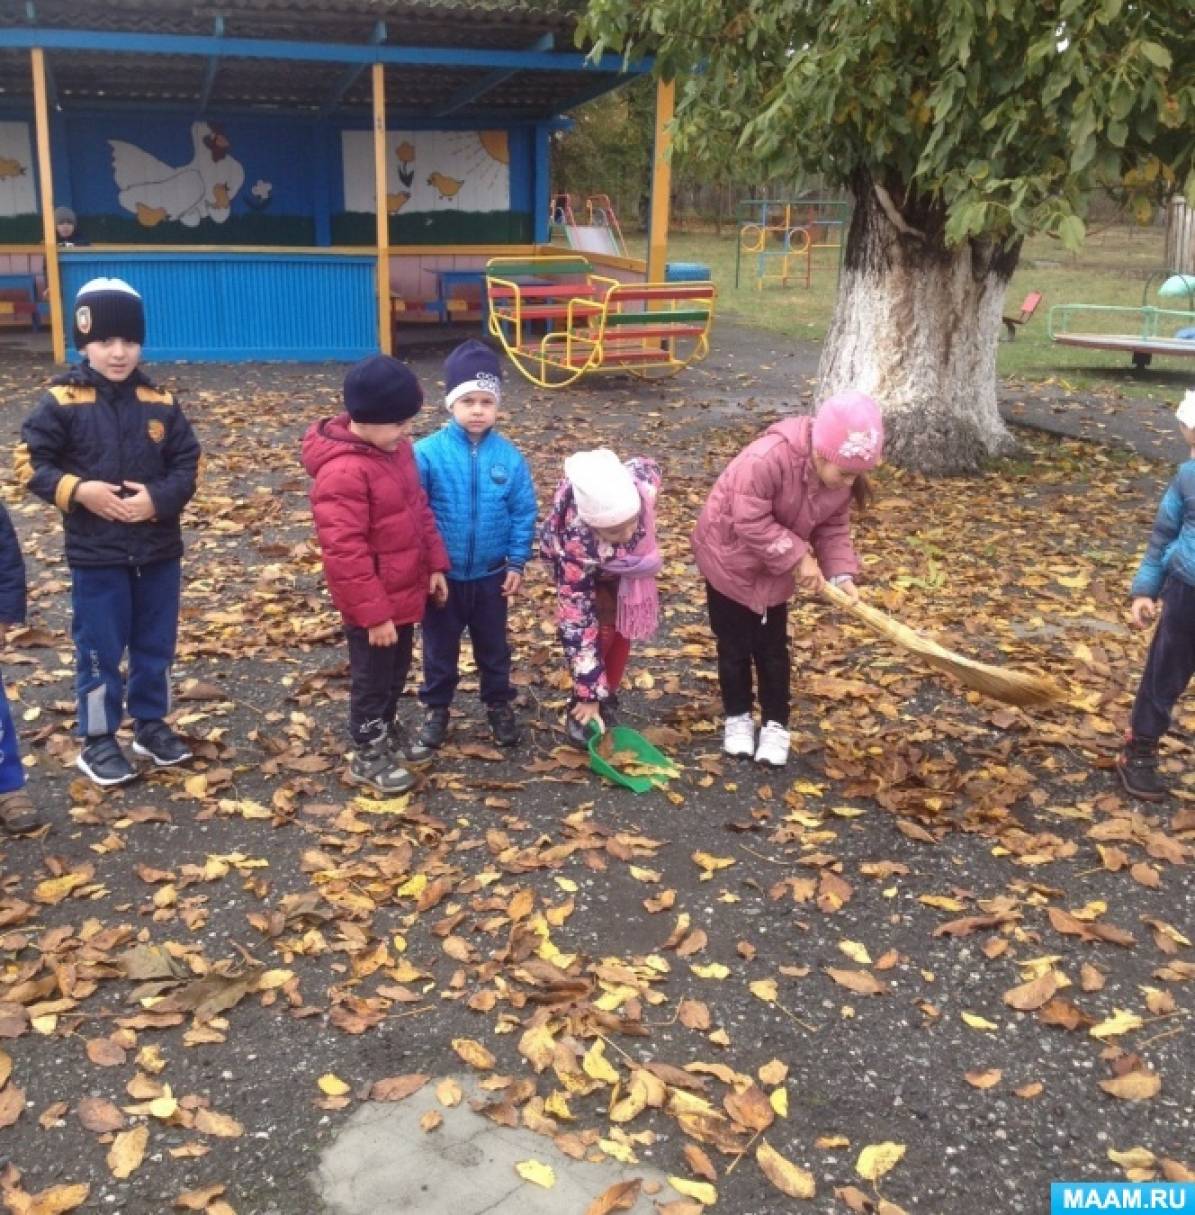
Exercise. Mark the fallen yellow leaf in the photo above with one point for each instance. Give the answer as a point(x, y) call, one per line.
point(877, 1159)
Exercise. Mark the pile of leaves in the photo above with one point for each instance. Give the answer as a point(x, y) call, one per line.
point(930, 868)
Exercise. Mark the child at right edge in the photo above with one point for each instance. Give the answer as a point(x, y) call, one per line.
point(1164, 587)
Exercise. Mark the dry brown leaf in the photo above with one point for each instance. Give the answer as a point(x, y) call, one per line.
point(209, 1122)
point(56, 1200)
point(397, 1088)
point(103, 1052)
point(984, 1079)
point(197, 1200)
point(12, 1103)
point(750, 1108)
point(1139, 1085)
point(621, 1196)
point(699, 1162)
point(98, 1115)
point(127, 1151)
point(787, 1177)
point(861, 982)
point(431, 1120)
point(474, 1054)
point(1028, 997)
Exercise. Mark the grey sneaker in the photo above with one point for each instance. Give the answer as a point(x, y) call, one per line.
point(376, 766)
point(411, 751)
point(104, 763)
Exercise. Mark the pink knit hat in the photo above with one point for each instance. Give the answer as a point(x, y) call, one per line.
point(849, 431)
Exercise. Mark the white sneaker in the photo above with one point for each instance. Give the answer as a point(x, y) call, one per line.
point(773, 745)
point(738, 736)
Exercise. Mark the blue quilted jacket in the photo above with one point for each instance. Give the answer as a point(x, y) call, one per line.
point(483, 499)
point(1171, 552)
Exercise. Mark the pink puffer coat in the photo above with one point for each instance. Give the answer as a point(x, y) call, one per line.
point(765, 512)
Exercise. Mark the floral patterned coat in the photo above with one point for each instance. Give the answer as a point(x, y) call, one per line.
point(575, 556)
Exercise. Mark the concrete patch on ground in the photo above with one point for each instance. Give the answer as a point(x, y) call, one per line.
point(382, 1163)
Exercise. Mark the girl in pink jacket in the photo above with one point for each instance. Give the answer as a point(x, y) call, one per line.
point(779, 517)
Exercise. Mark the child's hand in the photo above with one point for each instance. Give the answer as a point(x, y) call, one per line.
point(1145, 611)
point(383, 634)
point(585, 711)
point(809, 574)
point(849, 589)
point(140, 507)
point(437, 589)
point(511, 584)
point(103, 499)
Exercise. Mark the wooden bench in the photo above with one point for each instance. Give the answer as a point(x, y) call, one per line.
point(558, 320)
point(1028, 308)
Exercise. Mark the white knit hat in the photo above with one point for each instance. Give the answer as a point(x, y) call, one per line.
point(1186, 409)
point(603, 488)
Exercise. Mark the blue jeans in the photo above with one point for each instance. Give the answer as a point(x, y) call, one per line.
point(12, 773)
point(119, 609)
point(480, 607)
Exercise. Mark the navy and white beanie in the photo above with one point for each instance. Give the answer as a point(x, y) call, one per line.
point(108, 308)
point(471, 367)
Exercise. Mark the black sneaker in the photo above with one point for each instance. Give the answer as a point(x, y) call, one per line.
point(413, 752)
point(104, 763)
point(434, 730)
point(1137, 767)
point(377, 767)
point(157, 741)
point(504, 725)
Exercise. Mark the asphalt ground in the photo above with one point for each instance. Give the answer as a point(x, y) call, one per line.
point(902, 790)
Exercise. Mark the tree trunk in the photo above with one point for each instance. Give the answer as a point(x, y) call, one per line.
point(916, 325)
point(1180, 236)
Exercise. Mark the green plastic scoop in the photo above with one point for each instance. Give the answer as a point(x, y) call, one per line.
point(627, 741)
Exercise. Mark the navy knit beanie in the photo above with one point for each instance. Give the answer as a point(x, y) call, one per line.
point(108, 308)
point(471, 367)
point(381, 389)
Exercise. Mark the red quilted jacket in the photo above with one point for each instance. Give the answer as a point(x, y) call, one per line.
point(375, 528)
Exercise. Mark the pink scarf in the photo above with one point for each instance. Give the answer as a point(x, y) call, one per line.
point(638, 612)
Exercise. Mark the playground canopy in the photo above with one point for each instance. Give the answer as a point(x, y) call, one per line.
point(284, 178)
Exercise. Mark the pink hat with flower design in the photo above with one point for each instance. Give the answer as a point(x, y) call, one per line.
point(848, 430)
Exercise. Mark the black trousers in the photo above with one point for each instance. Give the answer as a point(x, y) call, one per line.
point(1170, 663)
point(747, 641)
point(480, 607)
point(377, 674)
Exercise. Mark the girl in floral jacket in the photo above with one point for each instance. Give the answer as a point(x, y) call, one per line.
point(599, 539)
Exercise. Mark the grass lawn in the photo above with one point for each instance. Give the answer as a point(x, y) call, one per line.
point(1112, 268)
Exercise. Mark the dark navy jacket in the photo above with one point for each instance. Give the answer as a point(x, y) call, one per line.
point(12, 574)
point(85, 428)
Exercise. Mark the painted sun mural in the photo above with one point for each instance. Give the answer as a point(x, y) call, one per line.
point(430, 171)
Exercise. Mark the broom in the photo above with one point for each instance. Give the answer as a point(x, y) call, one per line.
point(1012, 687)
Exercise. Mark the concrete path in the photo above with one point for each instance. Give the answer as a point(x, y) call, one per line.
point(382, 1162)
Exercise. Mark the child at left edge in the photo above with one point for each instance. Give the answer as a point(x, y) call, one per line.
point(483, 498)
point(17, 813)
point(119, 459)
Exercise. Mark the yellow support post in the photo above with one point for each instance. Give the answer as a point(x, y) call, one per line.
point(385, 332)
point(661, 183)
point(41, 113)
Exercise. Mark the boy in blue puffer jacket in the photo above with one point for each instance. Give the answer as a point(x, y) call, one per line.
point(481, 494)
point(1166, 577)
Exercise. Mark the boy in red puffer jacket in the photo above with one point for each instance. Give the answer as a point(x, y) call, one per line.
point(383, 556)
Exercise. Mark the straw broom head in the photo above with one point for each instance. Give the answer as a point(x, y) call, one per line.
point(1012, 687)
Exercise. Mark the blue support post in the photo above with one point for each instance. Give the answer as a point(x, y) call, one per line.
point(213, 64)
point(541, 186)
point(352, 75)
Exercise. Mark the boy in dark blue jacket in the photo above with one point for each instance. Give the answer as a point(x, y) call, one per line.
point(481, 493)
point(17, 814)
point(119, 459)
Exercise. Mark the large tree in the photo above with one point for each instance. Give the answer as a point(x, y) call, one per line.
point(960, 127)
